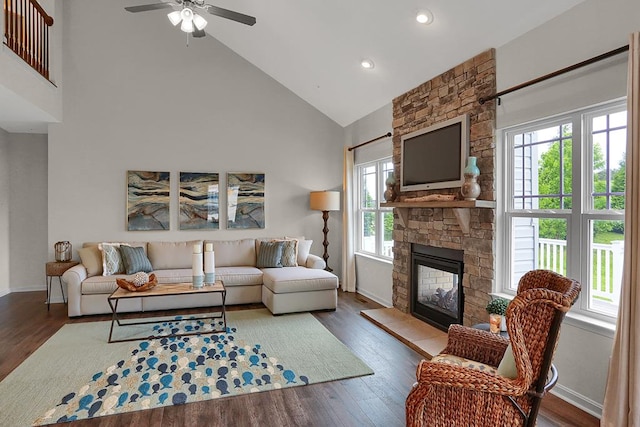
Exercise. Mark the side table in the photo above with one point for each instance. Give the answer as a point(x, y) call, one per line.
point(485, 327)
point(56, 269)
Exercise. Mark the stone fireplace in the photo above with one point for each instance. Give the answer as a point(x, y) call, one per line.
point(467, 229)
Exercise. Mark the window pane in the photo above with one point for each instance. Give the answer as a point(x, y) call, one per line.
point(369, 188)
point(606, 262)
point(387, 241)
point(542, 169)
point(608, 143)
point(538, 243)
point(368, 237)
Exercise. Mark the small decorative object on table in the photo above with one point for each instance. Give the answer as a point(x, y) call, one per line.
point(209, 265)
point(471, 189)
point(497, 309)
point(196, 266)
point(140, 282)
point(63, 251)
point(390, 193)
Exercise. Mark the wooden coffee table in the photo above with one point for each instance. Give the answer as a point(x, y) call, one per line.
point(173, 289)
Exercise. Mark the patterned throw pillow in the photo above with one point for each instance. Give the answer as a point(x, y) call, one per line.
point(135, 260)
point(270, 255)
point(290, 253)
point(111, 259)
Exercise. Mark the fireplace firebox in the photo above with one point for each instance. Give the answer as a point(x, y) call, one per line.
point(437, 295)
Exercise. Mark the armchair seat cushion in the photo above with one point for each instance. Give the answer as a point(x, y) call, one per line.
point(450, 359)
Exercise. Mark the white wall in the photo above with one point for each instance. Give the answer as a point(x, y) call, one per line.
point(137, 98)
point(28, 212)
point(4, 213)
point(591, 28)
point(373, 276)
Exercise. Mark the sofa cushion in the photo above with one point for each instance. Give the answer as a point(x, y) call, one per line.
point(239, 276)
point(169, 255)
point(101, 284)
point(304, 248)
point(232, 253)
point(298, 279)
point(270, 254)
point(176, 275)
point(290, 253)
point(135, 260)
point(91, 258)
point(111, 258)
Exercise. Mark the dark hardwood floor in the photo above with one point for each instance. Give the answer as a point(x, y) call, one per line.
point(374, 400)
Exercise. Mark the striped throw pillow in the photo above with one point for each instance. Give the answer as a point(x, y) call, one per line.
point(270, 255)
point(135, 260)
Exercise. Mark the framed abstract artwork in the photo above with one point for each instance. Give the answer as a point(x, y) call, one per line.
point(245, 200)
point(148, 200)
point(199, 201)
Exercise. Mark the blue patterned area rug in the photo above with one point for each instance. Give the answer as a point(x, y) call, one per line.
point(76, 374)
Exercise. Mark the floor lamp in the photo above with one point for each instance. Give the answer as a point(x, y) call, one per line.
point(325, 201)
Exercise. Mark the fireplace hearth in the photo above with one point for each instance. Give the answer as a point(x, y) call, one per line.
point(437, 295)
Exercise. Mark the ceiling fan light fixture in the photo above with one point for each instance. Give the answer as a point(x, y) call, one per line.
point(187, 26)
point(199, 22)
point(175, 17)
point(186, 14)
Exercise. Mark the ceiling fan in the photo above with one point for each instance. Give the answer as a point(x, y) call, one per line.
point(192, 23)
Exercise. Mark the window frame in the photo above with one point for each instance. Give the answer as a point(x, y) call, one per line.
point(578, 218)
point(377, 209)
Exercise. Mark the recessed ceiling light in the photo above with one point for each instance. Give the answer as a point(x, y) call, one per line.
point(367, 64)
point(424, 17)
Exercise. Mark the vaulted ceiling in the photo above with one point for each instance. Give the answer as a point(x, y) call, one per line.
point(314, 48)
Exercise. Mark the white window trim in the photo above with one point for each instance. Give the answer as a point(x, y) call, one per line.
point(581, 318)
point(378, 210)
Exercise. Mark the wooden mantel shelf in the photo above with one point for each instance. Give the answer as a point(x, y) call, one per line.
point(460, 209)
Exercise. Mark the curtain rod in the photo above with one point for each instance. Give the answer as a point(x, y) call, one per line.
point(556, 73)
point(386, 135)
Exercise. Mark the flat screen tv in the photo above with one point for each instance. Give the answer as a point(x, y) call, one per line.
point(435, 157)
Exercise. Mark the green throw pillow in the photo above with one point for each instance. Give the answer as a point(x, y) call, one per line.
point(270, 255)
point(135, 260)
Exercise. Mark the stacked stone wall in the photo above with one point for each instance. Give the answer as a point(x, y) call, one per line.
point(449, 95)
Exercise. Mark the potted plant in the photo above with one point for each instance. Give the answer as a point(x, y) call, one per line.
point(497, 308)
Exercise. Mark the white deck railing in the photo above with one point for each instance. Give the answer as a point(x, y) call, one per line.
point(607, 260)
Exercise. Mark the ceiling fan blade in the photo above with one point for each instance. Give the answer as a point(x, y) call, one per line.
point(198, 33)
point(230, 14)
point(146, 7)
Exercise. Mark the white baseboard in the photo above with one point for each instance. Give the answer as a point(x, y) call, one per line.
point(375, 298)
point(576, 399)
point(4, 292)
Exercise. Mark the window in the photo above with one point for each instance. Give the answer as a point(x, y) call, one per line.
point(375, 224)
point(564, 205)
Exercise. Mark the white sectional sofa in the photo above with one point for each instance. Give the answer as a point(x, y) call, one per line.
point(302, 287)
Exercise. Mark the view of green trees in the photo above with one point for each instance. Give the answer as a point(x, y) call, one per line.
point(549, 183)
point(370, 218)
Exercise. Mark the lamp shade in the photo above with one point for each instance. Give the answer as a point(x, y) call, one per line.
point(324, 200)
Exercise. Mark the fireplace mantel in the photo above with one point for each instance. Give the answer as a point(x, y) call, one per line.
point(460, 209)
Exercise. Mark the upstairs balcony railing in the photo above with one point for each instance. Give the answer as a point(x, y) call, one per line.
point(26, 32)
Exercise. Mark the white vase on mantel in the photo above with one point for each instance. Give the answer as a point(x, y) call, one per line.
point(470, 189)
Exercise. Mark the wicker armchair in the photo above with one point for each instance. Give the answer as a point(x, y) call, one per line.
point(451, 395)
